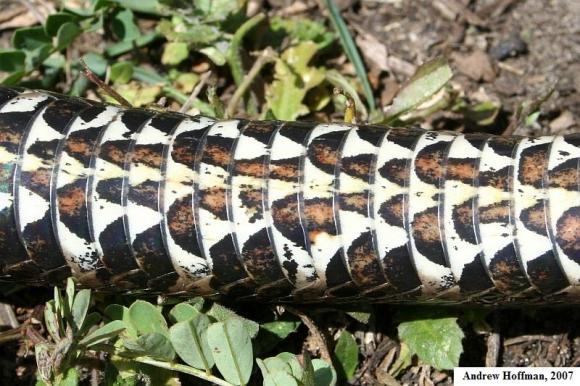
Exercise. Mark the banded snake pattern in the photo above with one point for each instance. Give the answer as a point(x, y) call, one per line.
point(146, 201)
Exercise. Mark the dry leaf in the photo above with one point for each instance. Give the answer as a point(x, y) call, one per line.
point(476, 66)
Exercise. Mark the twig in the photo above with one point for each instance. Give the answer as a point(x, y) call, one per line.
point(295, 8)
point(102, 85)
point(525, 109)
point(195, 92)
point(510, 68)
point(10, 335)
point(386, 347)
point(527, 339)
point(7, 316)
point(493, 343)
point(315, 331)
point(267, 56)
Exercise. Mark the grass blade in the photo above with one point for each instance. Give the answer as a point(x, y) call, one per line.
point(351, 51)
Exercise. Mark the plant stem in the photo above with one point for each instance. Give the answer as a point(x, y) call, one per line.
point(234, 56)
point(182, 369)
point(202, 81)
point(315, 331)
point(267, 56)
point(90, 75)
point(350, 50)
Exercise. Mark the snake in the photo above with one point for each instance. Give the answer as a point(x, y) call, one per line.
point(148, 201)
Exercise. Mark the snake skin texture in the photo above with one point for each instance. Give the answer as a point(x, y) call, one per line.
point(145, 201)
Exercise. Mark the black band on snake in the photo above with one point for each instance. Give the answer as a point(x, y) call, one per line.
point(137, 200)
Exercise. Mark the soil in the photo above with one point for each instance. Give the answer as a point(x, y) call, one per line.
point(507, 51)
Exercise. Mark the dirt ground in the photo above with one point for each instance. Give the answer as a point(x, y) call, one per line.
point(507, 51)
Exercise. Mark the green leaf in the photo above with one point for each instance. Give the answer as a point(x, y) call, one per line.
point(324, 374)
point(186, 82)
point(121, 72)
point(293, 79)
point(69, 378)
point(184, 311)
point(115, 311)
point(426, 82)
point(174, 53)
point(280, 379)
point(319, 97)
point(232, 350)
point(30, 39)
point(308, 374)
point(58, 302)
point(12, 60)
point(103, 333)
point(124, 27)
point(51, 321)
point(285, 94)
point(178, 30)
point(351, 51)
point(70, 291)
point(66, 34)
point(55, 21)
point(40, 382)
point(113, 377)
point(38, 56)
point(222, 314)
point(138, 95)
point(126, 46)
point(276, 372)
point(296, 370)
point(216, 10)
point(298, 58)
point(148, 76)
point(436, 340)
point(80, 307)
point(90, 321)
point(146, 318)
point(189, 338)
point(13, 78)
point(272, 333)
point(215, 55)
point(153, 344)
point(531, 118)
point(97, 63)
point(269, 366)
point(281, 328)
point(145, 6)
point(346, 354)
point(483, 113)
point(360, 316)
point(303, 30)
point(119, 312)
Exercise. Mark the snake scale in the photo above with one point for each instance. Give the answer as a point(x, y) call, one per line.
point(139, 200)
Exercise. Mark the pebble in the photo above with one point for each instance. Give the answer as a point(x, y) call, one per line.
point(509, 48)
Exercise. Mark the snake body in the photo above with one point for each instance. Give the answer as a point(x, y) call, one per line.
point(160, 202)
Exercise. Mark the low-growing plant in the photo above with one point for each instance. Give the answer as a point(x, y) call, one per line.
point(152, 342)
